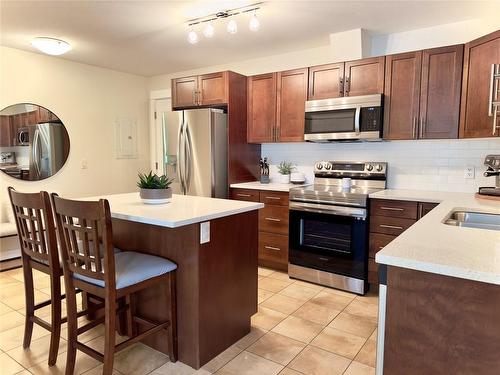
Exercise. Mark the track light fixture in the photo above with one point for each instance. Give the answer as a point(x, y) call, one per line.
point(208, 27)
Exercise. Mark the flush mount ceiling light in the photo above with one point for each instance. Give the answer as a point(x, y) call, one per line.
point(51, 46)
point(231, 27)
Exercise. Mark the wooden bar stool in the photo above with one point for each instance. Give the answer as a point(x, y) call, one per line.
point(38, 240)
point(115, 276)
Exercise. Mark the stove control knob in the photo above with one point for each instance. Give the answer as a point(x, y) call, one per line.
point(328, 166)
point(379, 167)
point(369, 167)
point(319, 166)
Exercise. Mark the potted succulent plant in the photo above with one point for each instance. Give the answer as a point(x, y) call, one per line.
point(285, 168)
point(155, 189)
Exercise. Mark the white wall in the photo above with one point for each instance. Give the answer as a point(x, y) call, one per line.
point(434, 165)
point(88, 100)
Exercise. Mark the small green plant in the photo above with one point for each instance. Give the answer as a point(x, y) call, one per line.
point(285, 167)
point(153, 181)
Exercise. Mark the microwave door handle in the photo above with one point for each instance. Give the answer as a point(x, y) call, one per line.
point(357, 116)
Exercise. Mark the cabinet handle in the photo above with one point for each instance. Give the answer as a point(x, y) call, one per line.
point(422, 127)
point(391, 208)
point(495, 126)
point(276, 198)
point(243, 195)
point(341, 86)
point(199, 97)
point(277, 220)
point(348, 86)
point(380, 247)
point(414, 128)
point(194, 97)
point(272, 248)
point(390, 226)
point(494, 79)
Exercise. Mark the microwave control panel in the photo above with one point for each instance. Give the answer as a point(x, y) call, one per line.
point(371, 119)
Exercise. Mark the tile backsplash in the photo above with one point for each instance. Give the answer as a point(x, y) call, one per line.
point(420, 165)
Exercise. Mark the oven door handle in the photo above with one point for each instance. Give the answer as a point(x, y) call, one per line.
point(329, 209)
point(357, 118)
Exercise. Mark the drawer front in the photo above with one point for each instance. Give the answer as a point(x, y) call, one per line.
point(245, 195)
point(387, 207)
point(274, 198)
point(372, 272)
point(273, 247)
point(377, 242)
point(389, 225)
point(274, 219)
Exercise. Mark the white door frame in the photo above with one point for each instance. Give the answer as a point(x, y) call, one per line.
point(155, 95)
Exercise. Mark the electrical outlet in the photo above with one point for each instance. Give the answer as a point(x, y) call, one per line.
point(84, 164)
point(205, 232)
point(469, 172)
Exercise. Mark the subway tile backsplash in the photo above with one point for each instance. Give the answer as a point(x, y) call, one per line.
point(421, 165)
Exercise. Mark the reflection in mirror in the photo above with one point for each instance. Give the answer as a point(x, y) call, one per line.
point(34, 143)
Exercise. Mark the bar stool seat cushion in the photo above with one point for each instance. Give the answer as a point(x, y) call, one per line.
point(132, 268)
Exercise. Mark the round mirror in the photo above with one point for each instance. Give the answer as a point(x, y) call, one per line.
point(34, 143)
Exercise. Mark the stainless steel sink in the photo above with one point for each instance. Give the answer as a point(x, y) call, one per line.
point(479, 220)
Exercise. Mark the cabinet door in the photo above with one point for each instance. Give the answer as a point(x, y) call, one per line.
point(440, 92)
point(292, 96)
point(32, 117)
point(326, 81)
point(6, 137)
point(402, 89)
point(479, 55)
point(364, 77)
point(212, 88)
point(424, 208)
point(43, 115)
point(184, 92)
point(261, 120)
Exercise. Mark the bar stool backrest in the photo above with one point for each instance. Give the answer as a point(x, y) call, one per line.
point(89, 222)
point(35, 227)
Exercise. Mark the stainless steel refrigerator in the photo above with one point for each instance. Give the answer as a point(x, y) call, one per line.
point(195, 151)
point(46, 149)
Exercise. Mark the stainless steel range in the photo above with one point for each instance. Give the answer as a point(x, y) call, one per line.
point(329, 224)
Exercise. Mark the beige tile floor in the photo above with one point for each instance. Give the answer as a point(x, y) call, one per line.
point(300, 328)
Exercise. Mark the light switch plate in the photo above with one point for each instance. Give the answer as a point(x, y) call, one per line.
point(205, 232)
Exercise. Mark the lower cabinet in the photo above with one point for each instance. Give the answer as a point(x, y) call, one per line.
point(273, 225)
point(388, 219)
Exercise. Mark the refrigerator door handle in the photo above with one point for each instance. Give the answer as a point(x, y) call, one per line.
point(180, 153)
point(36, 137)
point(188, 156)
point(212, 147)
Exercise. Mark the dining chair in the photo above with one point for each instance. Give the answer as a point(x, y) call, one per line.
point(37, 237)
point(113, 276)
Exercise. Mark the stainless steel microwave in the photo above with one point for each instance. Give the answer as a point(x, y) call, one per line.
point(350, 118)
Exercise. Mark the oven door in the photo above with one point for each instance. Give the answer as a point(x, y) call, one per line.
point(333, 241)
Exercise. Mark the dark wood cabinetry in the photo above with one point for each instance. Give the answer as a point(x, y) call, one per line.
point(44, 115)
point(422, 94)
point(273, 225)
point(276, 104)
point(261, 108)
point(358, 77)
point(204, 90)
point(292, 96)
point(476, 118)
point(6, 135)
point(388, 219)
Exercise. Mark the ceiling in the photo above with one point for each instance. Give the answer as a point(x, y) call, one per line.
point(149, 37)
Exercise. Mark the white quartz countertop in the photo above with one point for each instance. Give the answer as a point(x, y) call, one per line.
point(432, 246)
point(272, 186)
point(182, 210)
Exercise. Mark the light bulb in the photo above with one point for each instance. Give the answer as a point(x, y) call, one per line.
point(254, 23)
point(193, 37)
point(209, 31)
point(232, 27)
point(51, 46)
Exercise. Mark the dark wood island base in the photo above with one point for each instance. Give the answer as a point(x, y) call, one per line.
point(216, 282)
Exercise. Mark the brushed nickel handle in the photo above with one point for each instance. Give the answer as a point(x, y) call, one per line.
point(194, 97)
point(277, 198)
point(272, 248)
point(422, 127)
point(243, 195)
point(199, 97)
point(414, 127)
point(490, 98)
point(341, 86)
point(272, 219)
point(348, 86)
point(390, 226)
point(391, 208)
point(495, 127)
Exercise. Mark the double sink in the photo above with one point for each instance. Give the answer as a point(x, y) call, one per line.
point(469, 219)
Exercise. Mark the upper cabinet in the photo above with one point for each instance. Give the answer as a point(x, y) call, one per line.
point(276, 105)
point(422, 94)
point(291, 100)
point(204, 90)
point(261, 109)
point(358, 77)
point(6, 135)
point(480, 88)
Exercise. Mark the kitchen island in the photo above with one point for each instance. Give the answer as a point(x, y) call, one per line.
point(214, 244)
point(440, 291)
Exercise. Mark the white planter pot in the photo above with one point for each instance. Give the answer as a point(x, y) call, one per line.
point(156, 196)
point(284, 178)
